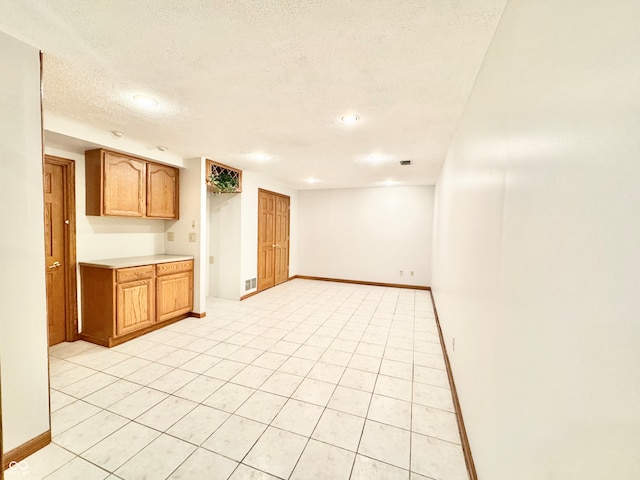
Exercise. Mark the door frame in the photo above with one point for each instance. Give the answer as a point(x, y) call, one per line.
point(258, 236)
point(71, 276)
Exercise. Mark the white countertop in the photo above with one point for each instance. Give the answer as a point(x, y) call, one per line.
point(135, 261)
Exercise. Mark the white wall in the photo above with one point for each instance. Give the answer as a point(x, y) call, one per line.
point(225, 245)
point(109, 237)
point(80, 137)
point(537, 245)
point(105, 237)
point(193, 219)
point(233, 235)
point(23, 322)
point(112, 237)
point(367, 234)
point(251, 182)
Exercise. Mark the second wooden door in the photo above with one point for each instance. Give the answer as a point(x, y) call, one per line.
point(54, 241)
point(273, 239)
point(59, 241)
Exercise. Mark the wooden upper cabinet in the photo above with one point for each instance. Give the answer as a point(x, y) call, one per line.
point(126, 186)
point(162, 191)
point(123, 186)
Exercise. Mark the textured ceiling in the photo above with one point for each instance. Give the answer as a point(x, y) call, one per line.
point(239, 76)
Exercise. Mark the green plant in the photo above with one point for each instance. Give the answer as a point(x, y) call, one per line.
point(224, 182)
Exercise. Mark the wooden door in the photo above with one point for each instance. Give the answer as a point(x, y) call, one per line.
point(162, 191)
point(273, 239)
point(124, 186)
point(281, 233)
point(266, 239)
point(59, 241)
point(174, 295)
point(135, 305)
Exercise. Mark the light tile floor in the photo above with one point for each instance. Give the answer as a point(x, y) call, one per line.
point(308, 380)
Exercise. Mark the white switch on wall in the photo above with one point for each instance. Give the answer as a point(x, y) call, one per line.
point(192, 236)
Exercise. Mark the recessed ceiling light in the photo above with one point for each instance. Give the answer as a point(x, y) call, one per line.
point(145, 101)
point(389, 183)
point(161, 148)
point(312, 180)
point(376, 158)
point(259, 156)
point(116, 133)
point(349, 119)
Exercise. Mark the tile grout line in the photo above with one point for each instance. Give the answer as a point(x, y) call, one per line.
point(371, 399)
point(326, 406)
point(257, 389)
point(319, 324)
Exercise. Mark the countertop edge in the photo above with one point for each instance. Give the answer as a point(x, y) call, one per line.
point(125, 262)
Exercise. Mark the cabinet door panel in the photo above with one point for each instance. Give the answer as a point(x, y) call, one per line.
point(135, 305)
point(175, 295)
point(162, 191)
point(124, 186)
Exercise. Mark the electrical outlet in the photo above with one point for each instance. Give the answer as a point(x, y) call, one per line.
point(412, 273)
point(192, 237)
point(170, 236)
point(211, 260)
point(401, 273)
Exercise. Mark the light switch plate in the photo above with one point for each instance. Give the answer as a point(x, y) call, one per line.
point(192, 237)
point(170, 236)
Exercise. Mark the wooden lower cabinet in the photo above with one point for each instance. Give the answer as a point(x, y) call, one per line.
point(123, 303)
point(174, 287)
point(135, 306)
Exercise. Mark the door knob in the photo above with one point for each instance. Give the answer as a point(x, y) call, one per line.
point(55, 265)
